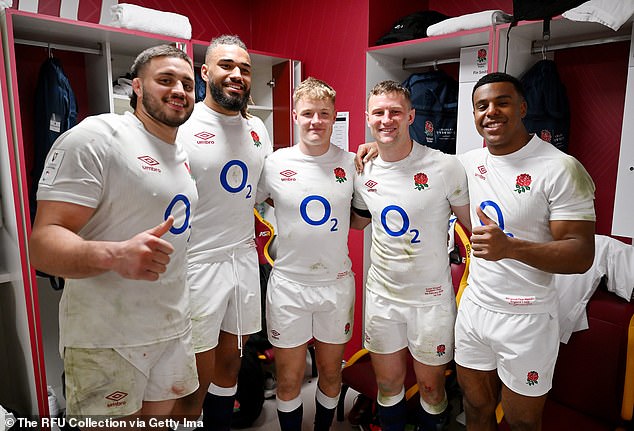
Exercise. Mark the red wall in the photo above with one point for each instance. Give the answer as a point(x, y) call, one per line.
point(595, 78)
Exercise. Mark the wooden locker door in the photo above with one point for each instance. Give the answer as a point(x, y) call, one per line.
point(282, 74)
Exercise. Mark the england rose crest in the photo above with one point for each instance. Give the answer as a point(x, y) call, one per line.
point(481, 57)
point(420, 181)
point(532, 378)
point(522, 183)
point(340, 175)
point(256, 138)
point(429, 129)
point(440, 350)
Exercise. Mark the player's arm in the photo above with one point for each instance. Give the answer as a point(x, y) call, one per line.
point(571, 250)
point(57, 249)
point(359, 219)
point(462, 212)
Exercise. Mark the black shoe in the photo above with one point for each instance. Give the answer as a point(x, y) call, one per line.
point(361, 411)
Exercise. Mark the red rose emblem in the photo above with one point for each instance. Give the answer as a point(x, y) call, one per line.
point(522, 183)
point(546, 135)
point(420, 181)
point(347, 328)
point(340, 175)
point(429, 128)
point(256, 138)
point(532, 378)
point(440, 349)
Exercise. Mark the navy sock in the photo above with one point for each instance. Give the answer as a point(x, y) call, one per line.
point(323, 417)
point(291, 421)
point(217, 412)
point(393, 418)
point(429, 422)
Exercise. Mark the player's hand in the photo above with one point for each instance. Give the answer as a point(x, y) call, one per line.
point(146, 255)
point(488, 241)
point(365, 153)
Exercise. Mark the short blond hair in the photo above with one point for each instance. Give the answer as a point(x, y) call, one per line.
point(313, 88)
point(389, 87)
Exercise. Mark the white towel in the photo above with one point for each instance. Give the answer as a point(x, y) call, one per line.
point(468, 22)
point(5, 4)
point(611, 13)
point(152, 21)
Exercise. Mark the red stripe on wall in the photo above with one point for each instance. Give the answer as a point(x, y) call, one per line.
point(49, 7)
point(89, 11)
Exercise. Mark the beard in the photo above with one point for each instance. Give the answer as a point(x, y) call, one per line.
point(153, 107)
point(230, 103)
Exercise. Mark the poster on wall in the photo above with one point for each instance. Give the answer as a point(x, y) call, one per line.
point(473, 65)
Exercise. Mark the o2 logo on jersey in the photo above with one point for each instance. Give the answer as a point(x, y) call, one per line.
point(405, 226)
point(229, 171)
point(177, 230)
point(499, 214)
point(303, 210)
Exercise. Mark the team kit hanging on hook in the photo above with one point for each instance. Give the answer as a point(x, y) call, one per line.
point(55, 112)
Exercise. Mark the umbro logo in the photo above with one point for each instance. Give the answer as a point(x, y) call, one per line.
point(149, 164)
point(116, 396)
point(371, 185)
point(205, 138)
point(149, 160)
point(481, 171)
point(288, 175)
point(116, 399)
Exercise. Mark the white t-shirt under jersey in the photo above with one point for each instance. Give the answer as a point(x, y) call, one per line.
point(312, 196)
point(134, 181)
point(523, 192)
point(227, 155)
point(410, 205)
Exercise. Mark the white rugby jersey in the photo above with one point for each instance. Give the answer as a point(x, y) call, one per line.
point(227, 155)
point(312, 196)
point(410, 205)
point(522, 192)
point(134, 181)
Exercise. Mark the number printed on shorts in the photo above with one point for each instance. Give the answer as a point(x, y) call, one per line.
point(315, 201)
point(498, 212)
point(236, 171)
point(174, 208)
point(404, 224)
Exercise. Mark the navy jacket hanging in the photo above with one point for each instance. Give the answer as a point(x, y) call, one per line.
point(55, 112)
point(435, 98)
point(548, 113)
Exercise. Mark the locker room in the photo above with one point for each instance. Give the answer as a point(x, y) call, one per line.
point(67, 61)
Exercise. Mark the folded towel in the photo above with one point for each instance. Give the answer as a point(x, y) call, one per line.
point(468, 22)
point(152, 21)
point(610, 13)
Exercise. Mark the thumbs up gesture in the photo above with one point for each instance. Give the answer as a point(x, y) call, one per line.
point(146, 255)
point(489, 241)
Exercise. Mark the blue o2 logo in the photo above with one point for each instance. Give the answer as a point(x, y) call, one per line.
point(179, 198)
point(243, 184)
point(498, 212)
point(303, 210)
point(405, 223)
